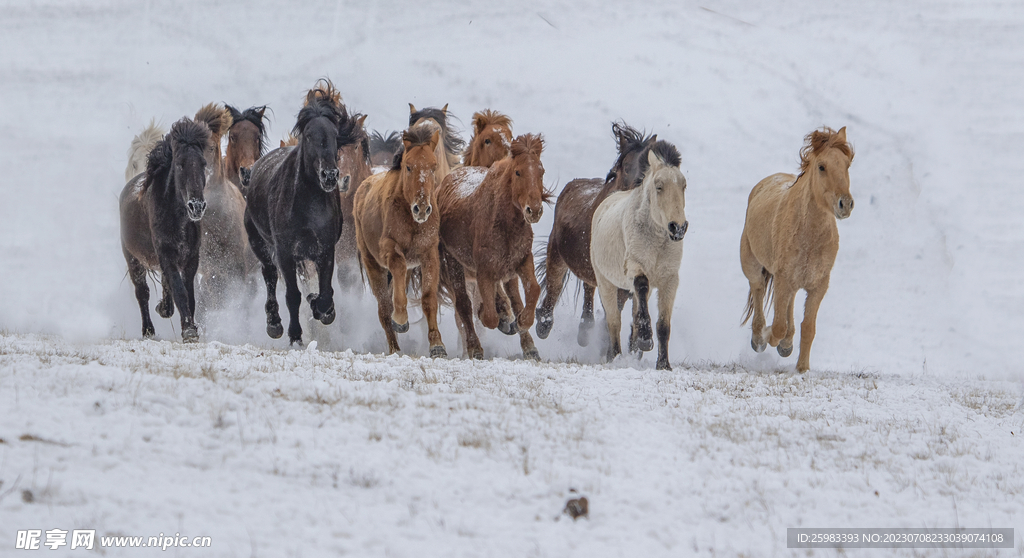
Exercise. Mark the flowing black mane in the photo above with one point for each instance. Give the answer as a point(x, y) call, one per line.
point(629, 140)
point(254, 115)
point(453, 144)
point(350, 132)
point(666, 152)
point(319, 107)
point(184, 133)
point(385, 144)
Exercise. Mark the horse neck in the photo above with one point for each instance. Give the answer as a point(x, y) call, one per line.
point(498, 195)
point(808, 198)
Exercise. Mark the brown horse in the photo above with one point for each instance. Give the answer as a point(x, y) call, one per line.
point(160, 213)
point(225, 257)
point(247, 142)
point(487, 218)
point(790, 240)
point(354, 165)
point(491, 141)
point(568, 246)
point(449, 150)
point(397, 230)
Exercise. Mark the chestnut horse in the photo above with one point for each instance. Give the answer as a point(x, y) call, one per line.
point(637, 246)
point(294, 212)
point(568, 246)
point(487, 218)
point(397, 230)
point(491, 141)
point(247, 142)
point(790, 240)
point(160, 212)
point(451, 146)
point(142, 144)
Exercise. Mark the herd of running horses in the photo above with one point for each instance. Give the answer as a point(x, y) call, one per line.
point(422, 213)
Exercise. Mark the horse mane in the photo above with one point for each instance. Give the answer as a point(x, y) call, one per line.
point(386, 144)
point(184, 133)
point(255, 116)
point(629, 140)
point(666, 152)
point(416, 136)
point(318, 106)
point(490, 117)
point(818, 141)
point(323, 89)
point(218, 119)
point(351, 132)
point(453, 144)
point(142, 144)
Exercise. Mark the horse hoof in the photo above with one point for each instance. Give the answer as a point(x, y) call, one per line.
point(165, 310)
point(508, 326)
point(663, 365)
point(328, 318)
point(275, 331)
point(758, 346)
point(645, 345)
point(785, 351)
point(295, 341)
point(148, 333)
point(190, 335)
point(438, 352)
point(478, 354)
point(532, 354)
point(399, 328)
point(545, 320)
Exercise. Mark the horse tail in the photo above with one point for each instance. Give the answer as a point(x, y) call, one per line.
point(414, 285)
point(769, 290)
point(540, 257)
point(445, 295)
point(140, 147)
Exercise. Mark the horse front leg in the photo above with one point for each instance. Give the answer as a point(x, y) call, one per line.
point(785, 347)
point(189, 279)
point(322, 304)
point(554, 279)
point(784, 294)
point(263, 254)
point(612, 313)
point(396, 263)
point(292, 295)
point(809, 326)
point(503, 305)
point(486, 284)
point(519, 308)
point(430, 271)
point(172, 276)
point(137, 272)
point(587, 318)
point(641, 337)
point(666, 300)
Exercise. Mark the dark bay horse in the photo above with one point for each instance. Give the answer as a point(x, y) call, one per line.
point(397, 231)
point(160, 213)
point(487, 218)
point(247, 142)
point(383, 148)
point(294, 212)
point(491, 141)
point(568, 246)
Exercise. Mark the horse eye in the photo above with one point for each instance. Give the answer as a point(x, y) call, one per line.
point(821, 168)
point(487, 142)
point(517, 173)
point(408, 168)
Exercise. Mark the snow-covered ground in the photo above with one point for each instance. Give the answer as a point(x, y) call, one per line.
point(916, 392)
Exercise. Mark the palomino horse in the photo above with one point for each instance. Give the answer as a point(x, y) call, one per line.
point(487, 218)
point(384, 147)
point(637, 246)
point(142, 144)
point(397, 231)
point(450, 149)
point(224, 256)
point(294, 213)
point(247, 142)
point(790, 240)
point(568, 246)
point(491, 141)
point(160, 213)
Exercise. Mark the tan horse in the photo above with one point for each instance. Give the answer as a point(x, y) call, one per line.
point(491, 141)
point(397, 230)
point(790, 240)
point(142, 144)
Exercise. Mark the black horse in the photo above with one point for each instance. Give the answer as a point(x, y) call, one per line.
point(293, 211)
point(160, 213)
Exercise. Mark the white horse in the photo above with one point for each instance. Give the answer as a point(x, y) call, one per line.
point(142, 144)
point(636, 245)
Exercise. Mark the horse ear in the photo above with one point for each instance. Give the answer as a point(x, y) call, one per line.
point(412, 109)
point(842, 134)
point(445, 109)
point(654, 160)
point(478, 123)
point(283, 144)
point(260, 110)
point(653, 140)
point(435, 138)
point(360, 120)
point(406, 139)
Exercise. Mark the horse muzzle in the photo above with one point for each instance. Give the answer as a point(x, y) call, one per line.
point(329, 179)
point(676, 232)
point(245, 173)
point(420, 213)
point(843, 207)
point(195, 208)
point(532, 216)
point(345, 183)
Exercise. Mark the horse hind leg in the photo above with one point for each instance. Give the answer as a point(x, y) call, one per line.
point(377, 277)
point(587, 318)
point(760, 283)
point(137, 273)
point(785, 347)
point(554, 281)
point(610, 297)
point(506, 309)
point(525, 339)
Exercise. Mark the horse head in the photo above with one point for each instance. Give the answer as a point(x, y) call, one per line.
point(353, 152)
point(632, 146)
point(527, 176)
point(418, 165)
point(190, 143)
point(492, 139)
point(826, 157)
point(317, 130)
point(664, 188)
point(247, 141)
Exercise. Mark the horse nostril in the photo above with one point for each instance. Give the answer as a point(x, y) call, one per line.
point(686, 225)
point(841, 206)
point(415, 208)
point(429, 209)
point(529, 210)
